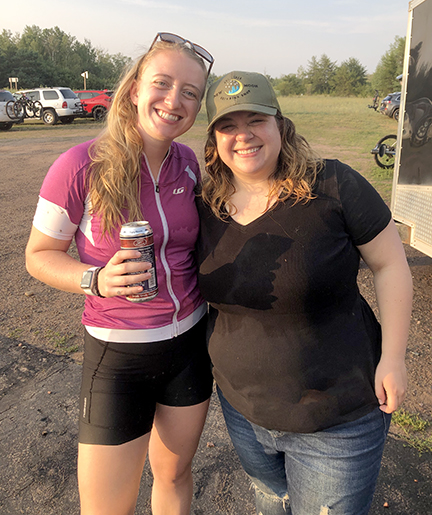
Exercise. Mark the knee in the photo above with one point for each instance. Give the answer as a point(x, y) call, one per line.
point(173, 474)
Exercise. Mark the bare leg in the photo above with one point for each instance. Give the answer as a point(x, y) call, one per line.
point(173, 443)
point(109, 476)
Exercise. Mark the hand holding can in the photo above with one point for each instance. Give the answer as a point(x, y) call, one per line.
point(139, 236)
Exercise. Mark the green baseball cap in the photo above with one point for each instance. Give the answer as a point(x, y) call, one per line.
point(240, 91)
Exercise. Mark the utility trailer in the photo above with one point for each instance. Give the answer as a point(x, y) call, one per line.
point(411, 202)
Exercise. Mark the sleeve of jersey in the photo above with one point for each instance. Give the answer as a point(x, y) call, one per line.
point(365, 212)
point(62, 198)
point(53, 221)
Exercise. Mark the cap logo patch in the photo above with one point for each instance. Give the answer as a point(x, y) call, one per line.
point(233, 87)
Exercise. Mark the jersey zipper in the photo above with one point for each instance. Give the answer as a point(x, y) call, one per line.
point(163, 246)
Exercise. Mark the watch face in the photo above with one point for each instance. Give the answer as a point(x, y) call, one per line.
point(87, 279)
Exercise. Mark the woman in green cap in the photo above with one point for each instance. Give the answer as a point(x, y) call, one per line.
point(307, 377)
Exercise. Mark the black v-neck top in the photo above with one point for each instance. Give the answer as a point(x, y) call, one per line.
point(293, 344)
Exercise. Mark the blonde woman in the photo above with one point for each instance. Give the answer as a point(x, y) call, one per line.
point(146, 376)
point(306, 381)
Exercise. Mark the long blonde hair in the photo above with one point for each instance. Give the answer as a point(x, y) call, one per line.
point(294, 176)
point(114, 178)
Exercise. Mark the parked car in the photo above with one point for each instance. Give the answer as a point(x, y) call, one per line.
point(58, 104)
point(5, 121)
point(390, 105)
point(96, 103)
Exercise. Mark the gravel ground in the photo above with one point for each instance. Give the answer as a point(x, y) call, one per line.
point(39, 323)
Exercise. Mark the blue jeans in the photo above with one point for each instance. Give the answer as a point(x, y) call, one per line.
point(331, 472)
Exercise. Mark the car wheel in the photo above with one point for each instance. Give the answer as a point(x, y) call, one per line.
point(99, 113)
point(396, 114)
point(67, 119)
point(49, 117)
point(6, 126)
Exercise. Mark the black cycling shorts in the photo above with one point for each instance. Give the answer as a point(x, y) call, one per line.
point(122, 382)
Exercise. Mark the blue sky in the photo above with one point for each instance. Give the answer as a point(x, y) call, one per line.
point(268, 36)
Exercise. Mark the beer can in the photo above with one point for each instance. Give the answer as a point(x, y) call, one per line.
point(139, 236)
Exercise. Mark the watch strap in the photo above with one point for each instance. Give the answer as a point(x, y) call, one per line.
point(95, 284)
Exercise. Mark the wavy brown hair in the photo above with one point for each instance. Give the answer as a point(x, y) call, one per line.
point(114, 178)
point(294, 177)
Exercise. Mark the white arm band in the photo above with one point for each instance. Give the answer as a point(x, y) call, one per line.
point(53, 221)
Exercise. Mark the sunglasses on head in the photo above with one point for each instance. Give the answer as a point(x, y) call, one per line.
point(173, 38)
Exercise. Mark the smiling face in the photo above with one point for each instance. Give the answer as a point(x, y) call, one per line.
point(168, 96)
point(249, 144)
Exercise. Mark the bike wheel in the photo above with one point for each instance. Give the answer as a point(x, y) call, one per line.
point(29, 110)
point(386, 151)
point(10, 110)
point(37, 109)
point(13, 110)
point(19, 110)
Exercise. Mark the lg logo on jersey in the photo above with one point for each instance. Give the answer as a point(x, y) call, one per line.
point(179, 191)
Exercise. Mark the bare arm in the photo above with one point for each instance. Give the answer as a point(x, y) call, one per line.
point(385, 257)
point(47, 260)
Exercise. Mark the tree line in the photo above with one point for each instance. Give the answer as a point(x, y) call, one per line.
point(50, 57)
point(322, 76)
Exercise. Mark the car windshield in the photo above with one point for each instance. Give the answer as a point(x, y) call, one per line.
point(68, 93)
point(5, 96)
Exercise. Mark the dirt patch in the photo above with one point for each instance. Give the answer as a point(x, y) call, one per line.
point(33, 312)
point(50, 320)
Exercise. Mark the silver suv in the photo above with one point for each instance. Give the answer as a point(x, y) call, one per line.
point(58, 104)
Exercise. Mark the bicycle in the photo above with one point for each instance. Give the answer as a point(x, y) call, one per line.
point(14, 110)
point(384, 151)
point(375, 101)
point(24, 107)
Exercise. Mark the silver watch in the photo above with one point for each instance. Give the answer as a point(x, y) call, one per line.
point(88, 280)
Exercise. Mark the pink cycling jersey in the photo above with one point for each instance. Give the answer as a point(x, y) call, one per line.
point(168, 204)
